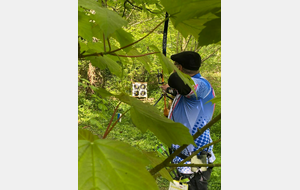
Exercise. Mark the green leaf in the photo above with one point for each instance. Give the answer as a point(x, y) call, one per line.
point(84, 26)
point(110, 165)
point(145, 116)
point(155, 160)
point(90, 4)
point(84, 134)
point(145, 60)
point(95, 47)
point(210, 34)
point(167, 65)
point(104, 93)
point(124, 38)
point(196, 17)
point(193, 26)
point(102, 107)
point(217, 99)
point(104, 61)
point(197, 9)
point(108, 20)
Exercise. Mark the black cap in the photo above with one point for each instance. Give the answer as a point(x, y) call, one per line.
point(188, 59)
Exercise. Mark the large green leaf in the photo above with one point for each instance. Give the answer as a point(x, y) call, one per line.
point(90, 4)
point(86, 135)
point(110, 165)
point(108, 20)
point(166, 63)
point(197, 9)
point(210, 34)
point(95, 47)
point(124, 38)
point(193, 26)
point(195, 16)
point(84, 26)
point(155, 160)
point(145, 116)
point(102, 61)
point(144, 59)
point(189, 9)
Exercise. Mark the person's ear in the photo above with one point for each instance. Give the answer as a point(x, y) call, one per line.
point(180, 68)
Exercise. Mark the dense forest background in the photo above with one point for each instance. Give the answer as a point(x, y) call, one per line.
point(96, 112)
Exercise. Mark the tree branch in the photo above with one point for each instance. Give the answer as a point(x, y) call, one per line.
point(116, 122)
point(140, 22)
point(187, 43)
point(134, 55)
point(140, 7)
point(210, 55)
point(180, 149)
point(112, 117)
point(200, 149)
point(110, 52)
point(194, 165)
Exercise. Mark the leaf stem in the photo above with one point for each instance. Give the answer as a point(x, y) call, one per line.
point(115, 123)
point(111, 52)
point(210, 55)
point(108, 44)
point(106, 132)
point(104, 43)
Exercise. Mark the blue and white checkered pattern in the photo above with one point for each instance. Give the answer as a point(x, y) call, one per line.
point(201, 141)
point(194, 113)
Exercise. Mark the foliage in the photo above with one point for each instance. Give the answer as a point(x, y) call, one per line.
point(114, 48)
point(102, 161)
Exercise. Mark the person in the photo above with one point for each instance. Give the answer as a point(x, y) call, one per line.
point(194, 113)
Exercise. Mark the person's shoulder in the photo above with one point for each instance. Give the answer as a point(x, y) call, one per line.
point(203, 87)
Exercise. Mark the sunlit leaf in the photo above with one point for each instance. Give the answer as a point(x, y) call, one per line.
point(166, 63)
point(108, 20)
point(124, 38)
point(104, 61)
point(145, 116)
point(90, 4)
point(144, 59)
point(217, 99)
point(84, 26)
point(104, 93)
point(110, 165)
point(84, 134)
point(155, 160)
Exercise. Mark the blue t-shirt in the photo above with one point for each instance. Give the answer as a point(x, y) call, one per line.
point(194, 113)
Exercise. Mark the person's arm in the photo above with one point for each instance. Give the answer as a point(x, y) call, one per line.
point(176, 82)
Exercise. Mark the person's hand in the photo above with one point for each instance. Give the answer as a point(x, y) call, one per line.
point(164, 87)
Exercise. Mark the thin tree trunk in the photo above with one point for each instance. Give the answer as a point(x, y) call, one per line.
point(91, 76)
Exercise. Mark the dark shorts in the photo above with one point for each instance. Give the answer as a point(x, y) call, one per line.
point(199, 181)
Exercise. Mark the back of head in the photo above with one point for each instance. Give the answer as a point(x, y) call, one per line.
point(188, 59)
